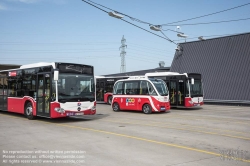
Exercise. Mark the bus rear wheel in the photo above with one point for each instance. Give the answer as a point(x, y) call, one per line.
point(116, 107)
point(28, 111)
point(147, 109)
point(110, 100)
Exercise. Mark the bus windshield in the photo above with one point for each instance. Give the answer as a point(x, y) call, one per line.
point(75, 87)
point(196, 89)
point(160, 86)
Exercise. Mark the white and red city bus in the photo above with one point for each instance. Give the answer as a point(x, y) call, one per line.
point(141, 94)
point(185, 88)
point(51, 90)
point(104, 87)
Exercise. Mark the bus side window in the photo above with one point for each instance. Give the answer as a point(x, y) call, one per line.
point(12, 87)
point(133, 88)
point(136, 88)
point(143, 88)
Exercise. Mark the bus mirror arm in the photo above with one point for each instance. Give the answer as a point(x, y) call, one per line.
point(191, 80)
point(56, 75)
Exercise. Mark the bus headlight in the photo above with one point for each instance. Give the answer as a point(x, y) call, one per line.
point(60, 110)
point(93, 108)
point(191, 102)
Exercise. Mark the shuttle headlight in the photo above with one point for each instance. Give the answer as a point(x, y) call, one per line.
point(162, 99)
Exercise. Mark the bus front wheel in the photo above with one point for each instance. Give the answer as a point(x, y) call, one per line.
point(29, 111)
point(116, 107)
point(147, 109)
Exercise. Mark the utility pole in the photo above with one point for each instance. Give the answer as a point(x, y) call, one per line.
point(122, 54)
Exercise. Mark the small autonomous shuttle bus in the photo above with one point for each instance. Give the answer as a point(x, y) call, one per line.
point(141, 94)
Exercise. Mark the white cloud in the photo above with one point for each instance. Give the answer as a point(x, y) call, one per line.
point(3, 7)
point(59, 2)
point(24, 1)
point(29, 1)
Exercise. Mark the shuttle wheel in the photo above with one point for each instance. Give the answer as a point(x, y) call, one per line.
point(116, 107)
point(147, 109)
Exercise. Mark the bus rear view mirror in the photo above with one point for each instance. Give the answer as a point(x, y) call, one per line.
point(192, 81)
point(56, 75)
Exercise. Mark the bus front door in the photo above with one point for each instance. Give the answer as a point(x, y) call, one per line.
point(100, 91)
point(181, 93)
point(43, 94)
point(3, 93)
point(173, 92)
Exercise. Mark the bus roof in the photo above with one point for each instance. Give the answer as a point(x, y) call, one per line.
point(111, 76)
point(38, 65)
point(137, 77)
point(165, 74)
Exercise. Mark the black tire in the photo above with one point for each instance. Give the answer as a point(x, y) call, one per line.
point(28, 111)
point(116, 107)
point(146, 109)
point(110, 100)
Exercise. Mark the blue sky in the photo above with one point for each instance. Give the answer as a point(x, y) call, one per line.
point(72, 31)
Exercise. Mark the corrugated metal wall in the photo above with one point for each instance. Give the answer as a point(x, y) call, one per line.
point(224, 64)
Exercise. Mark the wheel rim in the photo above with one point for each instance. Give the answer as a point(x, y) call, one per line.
point(115, 107)
point(29, 110)
point(146, 109)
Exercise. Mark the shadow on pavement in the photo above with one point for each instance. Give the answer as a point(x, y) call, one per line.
point(58, 120)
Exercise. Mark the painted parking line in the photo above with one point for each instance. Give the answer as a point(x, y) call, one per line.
point(246, 122)
point(140, 139)
point(183, 129)
point(152, 141)
point(183, 125)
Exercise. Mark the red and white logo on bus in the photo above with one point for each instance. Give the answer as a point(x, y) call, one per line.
point(130, 101)
point(12, 73)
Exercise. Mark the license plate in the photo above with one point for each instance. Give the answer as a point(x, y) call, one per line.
point(163, 109)
point(196, 104)
point(79, 113)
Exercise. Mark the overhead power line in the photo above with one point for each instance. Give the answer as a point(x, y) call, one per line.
point(168, 24)
point(207, 14)
point(135, 19)
point(149, 31)
point(210, 36)
point(166, 38)
point(132, 18)
point(214, 22)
